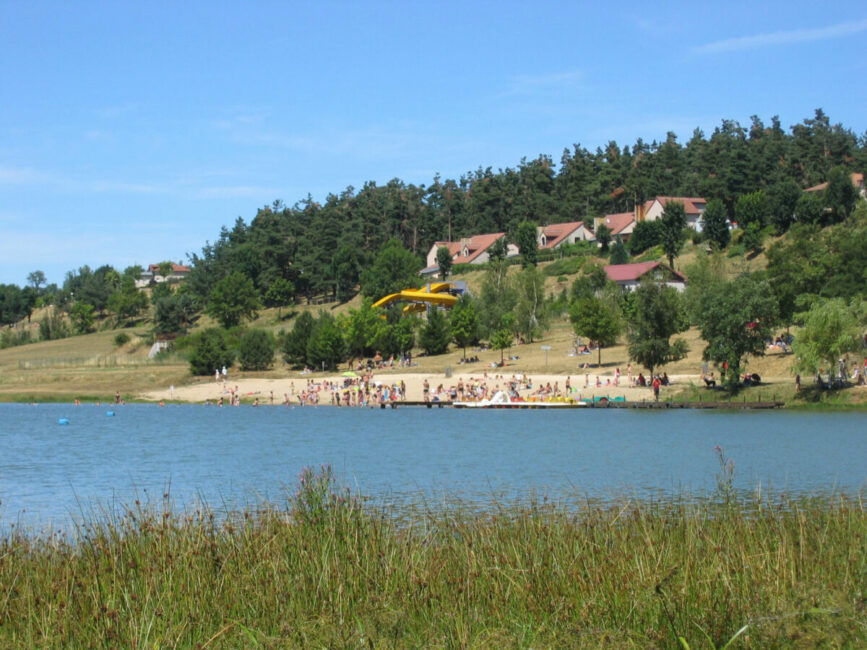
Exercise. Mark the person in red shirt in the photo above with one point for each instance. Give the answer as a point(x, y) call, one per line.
point(656, 383)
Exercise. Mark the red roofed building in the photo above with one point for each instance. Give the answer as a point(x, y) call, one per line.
point(557, 234)
point(629, 276)
point(152, 275)
point(620, 223)
point(470, 250)
point(623, 223)
point(693, 206)
point(857, 181)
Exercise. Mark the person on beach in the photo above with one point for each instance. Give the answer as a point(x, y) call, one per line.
point(656, 384)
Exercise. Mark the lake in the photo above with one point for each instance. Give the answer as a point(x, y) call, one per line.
point(52, 474)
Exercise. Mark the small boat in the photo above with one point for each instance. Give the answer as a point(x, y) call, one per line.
point(501, 400)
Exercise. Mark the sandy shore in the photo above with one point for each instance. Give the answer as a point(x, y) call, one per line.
point(275, 391)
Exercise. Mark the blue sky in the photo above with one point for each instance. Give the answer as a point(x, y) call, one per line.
point(131, 132)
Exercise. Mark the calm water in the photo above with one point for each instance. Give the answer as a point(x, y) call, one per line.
point(232, 457)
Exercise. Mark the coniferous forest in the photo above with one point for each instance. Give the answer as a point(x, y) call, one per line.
point(323, 247)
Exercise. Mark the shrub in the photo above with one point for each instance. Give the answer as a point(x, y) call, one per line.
point(256, 351)
point(210, 349)
point(121, 339)
point(565, 266)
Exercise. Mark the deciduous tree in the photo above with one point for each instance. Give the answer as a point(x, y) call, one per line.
point(256, 350)
point(464, 323)
point(435, 336)
point(325, 347)
point(655, 316)
point(832, 329)
point(598, 320)
point(716, 224)
point(233, 300)
point(293, 344)
point(444, 261)
point(736, 318)
point(394, 270)
point(527, 244)
point(673, 222)
point(280, 293)
point(210, 349)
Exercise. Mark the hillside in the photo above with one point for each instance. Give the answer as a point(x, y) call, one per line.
point(93, 367)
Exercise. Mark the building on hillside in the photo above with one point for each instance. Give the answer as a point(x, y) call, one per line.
point(693, 207)
point(623, 223)
point(629, 276)
point(152, 275)
point(857, 181)
point(557, 234)
point(620, 224)
point(469, 250)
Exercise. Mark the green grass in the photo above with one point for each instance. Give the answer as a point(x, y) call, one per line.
point(322, 570)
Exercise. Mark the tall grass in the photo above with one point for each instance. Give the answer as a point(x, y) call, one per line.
point(323, 570)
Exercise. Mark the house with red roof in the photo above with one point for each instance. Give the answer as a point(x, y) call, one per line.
point(555, 235)
point(693, 206)
point(857, 181)
point(620, 224)
point(630, 276)
point(623, 223)
point(469, 250)
point(152, 275)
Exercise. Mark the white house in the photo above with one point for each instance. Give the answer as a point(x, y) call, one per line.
point(470, 250)
point(629, 276)
point(693, 206)
point(557, 234)
point(152, 275)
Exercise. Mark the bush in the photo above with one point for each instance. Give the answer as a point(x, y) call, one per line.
point(565, 266)
point(53, 326)
point(121, 339)
point(256, 351)
point(435, 335)
point(646, 234)
point(210, 349)
point(11, 337)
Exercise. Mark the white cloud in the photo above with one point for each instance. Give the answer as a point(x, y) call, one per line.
point(235, 192)
point(21, 176)
point(782, 38)
point(531, 84)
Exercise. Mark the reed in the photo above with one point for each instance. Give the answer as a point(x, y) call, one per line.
point(324, 569)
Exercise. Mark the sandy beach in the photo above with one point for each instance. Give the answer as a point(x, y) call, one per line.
point(276, 391)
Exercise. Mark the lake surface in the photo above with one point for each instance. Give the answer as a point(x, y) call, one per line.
point(52, 474)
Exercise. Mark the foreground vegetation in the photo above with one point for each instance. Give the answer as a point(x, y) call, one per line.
point(326, 571)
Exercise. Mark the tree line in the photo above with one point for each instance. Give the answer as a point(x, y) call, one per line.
point(753, 175)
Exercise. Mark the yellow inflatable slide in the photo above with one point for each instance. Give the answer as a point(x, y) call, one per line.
point(433, 294)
